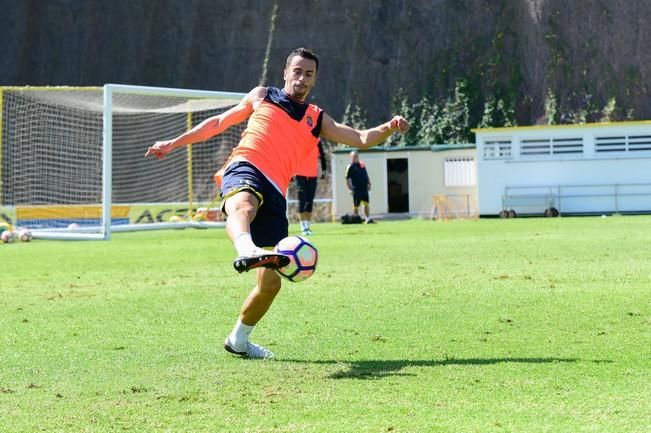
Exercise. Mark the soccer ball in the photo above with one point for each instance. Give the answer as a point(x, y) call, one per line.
point(7, 236)
point(303, 258)
point(25, 235)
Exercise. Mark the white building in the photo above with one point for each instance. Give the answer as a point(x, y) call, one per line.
point(576, 169)
point(408, 180)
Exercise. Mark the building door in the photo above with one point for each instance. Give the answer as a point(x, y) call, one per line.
point(398, 185)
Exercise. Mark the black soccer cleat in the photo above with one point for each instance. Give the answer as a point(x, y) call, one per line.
point(261, 260)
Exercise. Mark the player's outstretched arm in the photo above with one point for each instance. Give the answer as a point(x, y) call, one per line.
point(364, 139)
point(210, 127)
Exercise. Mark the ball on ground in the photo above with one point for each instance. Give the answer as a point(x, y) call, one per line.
point(7, 236)
point(24, 235)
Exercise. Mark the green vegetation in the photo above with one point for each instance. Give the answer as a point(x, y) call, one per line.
point(452, 120)
point(524, 325)
point(484, 80)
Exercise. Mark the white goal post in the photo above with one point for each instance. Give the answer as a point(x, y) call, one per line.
point(72, 162)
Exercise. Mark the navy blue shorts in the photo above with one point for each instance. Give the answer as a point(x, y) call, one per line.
point(359, 196)
point(270, 224)
point(306, 189)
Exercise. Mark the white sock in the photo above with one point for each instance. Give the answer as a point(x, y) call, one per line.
point(244, 244)
point(240, 335)
point(304, 225)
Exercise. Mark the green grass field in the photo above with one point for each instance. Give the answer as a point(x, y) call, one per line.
point(525, 325)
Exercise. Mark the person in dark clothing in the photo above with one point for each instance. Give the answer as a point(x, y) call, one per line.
point(359, 185)
point(306, 178)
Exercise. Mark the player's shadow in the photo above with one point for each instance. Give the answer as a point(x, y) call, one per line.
point(378, 369)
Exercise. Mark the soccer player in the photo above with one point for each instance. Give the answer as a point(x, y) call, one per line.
point(282, 129)
point(359, 185)
point(306, 178)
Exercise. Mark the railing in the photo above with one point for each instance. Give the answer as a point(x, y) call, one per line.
point(542, 197)
point(617, 194)
point(595, 198)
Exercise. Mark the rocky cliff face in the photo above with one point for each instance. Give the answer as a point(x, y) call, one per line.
point(369, 49)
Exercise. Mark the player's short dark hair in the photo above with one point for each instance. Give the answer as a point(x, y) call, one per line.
point(306, 53)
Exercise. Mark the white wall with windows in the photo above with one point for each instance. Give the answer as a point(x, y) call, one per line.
point(589, 168)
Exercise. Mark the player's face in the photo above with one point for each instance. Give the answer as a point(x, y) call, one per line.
point(300, 77)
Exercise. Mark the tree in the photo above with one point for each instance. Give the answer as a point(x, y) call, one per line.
point(400, 104)
point(355, 116)
point(429, 131)
point(496, 114)
point(552, 115)
point(455, 117)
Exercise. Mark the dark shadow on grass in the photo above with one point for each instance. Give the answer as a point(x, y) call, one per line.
point(378, 369)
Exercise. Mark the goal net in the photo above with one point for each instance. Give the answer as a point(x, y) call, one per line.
point(72, 162)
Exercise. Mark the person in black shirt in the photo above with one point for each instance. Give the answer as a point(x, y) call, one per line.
point(359, 185)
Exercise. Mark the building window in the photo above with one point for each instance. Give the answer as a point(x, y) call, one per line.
point(546, 147)
point(460, 172)
point(623, 144)
point(497, 149)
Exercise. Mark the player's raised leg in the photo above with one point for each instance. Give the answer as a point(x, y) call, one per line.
point(241, 209)
point(254, 308)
